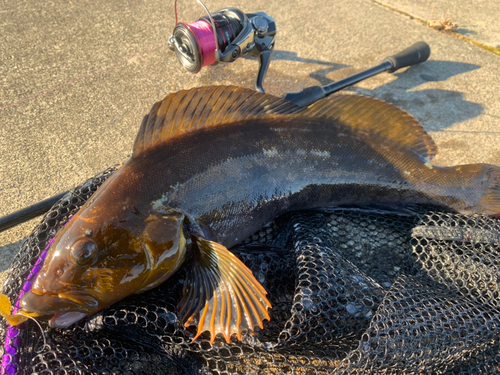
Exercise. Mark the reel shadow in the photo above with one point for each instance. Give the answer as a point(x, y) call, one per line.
point(319, 75)
point(277, 80)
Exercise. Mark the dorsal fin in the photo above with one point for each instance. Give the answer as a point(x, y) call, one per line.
point(377, 117)
point(204, 107)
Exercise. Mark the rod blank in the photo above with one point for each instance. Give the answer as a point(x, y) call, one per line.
point(415, 54)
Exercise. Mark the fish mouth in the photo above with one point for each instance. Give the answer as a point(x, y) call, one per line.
point(66, 308)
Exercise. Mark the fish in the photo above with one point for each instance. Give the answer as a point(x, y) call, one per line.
point(212, 165)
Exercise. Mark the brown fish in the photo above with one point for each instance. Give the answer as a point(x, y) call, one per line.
point(212, 165)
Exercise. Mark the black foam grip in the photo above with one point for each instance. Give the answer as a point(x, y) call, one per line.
point(417, 53)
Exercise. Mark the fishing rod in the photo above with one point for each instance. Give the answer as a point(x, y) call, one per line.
point(30, 212)
point(415, 54)
point(224, 36)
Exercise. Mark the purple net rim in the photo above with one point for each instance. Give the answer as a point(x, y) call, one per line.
point(12, 337)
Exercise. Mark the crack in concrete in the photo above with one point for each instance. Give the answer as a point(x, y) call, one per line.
point(494, 50)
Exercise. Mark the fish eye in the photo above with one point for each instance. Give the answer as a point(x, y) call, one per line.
point(83, 252)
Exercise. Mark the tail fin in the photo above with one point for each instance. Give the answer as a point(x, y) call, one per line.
point(489, 203)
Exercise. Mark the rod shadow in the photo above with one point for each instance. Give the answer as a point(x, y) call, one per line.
point(435, 108)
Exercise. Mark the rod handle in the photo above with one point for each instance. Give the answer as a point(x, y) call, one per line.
point(415, 54)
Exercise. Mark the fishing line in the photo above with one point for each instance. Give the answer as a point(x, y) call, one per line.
point(39, 326)
point(175, 10)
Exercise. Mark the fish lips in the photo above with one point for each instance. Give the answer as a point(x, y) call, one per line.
point(67, 308)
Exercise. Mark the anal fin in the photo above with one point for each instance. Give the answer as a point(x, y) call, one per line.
point(221, 295)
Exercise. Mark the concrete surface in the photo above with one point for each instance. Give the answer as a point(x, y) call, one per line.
point(476, 19)
point(76, 79)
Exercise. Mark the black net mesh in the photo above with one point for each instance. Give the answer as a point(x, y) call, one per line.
point(353, 291)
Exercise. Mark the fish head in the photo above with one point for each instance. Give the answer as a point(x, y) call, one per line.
point(92, 264)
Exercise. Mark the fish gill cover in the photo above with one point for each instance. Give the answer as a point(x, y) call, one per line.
point(355, 292)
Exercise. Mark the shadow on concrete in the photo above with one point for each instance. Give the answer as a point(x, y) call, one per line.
point(466, 32)
point(292, 56)
point(274, 78)
point(436, 71)
point(437, 109)
point(319, 75)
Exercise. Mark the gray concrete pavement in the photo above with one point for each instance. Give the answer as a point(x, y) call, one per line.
point(476, 19)
point(76, 79)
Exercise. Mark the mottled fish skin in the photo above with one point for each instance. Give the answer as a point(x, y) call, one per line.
point(215, 165)
point(248, 173)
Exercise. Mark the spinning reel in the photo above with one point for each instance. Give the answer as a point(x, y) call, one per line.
point(225, 36)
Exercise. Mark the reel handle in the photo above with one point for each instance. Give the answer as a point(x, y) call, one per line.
point(263, 44)
point(264, 60)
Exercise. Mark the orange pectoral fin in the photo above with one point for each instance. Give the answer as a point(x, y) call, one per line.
point(5, 311)
point(221, 295)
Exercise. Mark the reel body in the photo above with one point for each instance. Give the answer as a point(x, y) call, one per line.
point(225, 36)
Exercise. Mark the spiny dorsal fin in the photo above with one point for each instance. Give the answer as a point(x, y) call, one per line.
point(204, 107)
point(377, 117)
